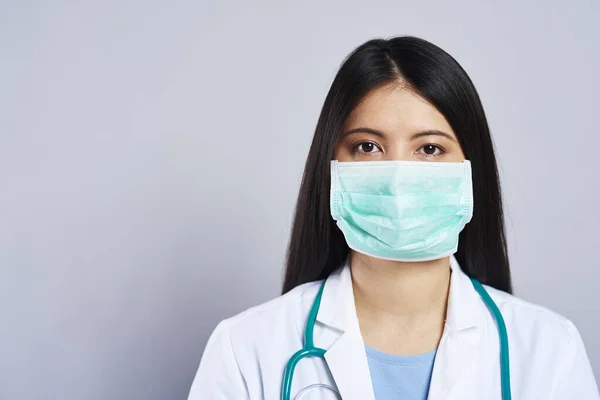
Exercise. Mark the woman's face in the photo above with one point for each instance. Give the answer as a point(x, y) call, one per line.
point(393, 123)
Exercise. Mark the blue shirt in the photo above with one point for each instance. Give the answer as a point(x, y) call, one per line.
point(400, 377)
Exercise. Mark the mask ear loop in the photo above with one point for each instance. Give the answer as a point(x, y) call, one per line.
point(301, 394)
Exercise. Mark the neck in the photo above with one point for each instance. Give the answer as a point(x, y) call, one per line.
point(401, 306)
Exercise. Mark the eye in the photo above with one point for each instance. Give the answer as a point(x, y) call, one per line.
point(367, 147)
point(430, 150)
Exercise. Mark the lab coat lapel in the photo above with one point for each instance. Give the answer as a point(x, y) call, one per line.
point(345, 355)
point(457, 353)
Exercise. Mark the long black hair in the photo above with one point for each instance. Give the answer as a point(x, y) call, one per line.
point(317, 246)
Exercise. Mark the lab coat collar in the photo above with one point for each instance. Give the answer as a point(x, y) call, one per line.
point(338, 311)
point(465, 307)
point(345, 352)
point(337, 304)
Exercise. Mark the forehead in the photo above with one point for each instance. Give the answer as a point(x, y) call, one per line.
point(396, 109)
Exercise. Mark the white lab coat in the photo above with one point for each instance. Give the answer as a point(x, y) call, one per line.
point(246, 355)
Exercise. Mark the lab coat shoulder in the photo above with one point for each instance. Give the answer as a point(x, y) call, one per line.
point(232, 359)
point(545, 343)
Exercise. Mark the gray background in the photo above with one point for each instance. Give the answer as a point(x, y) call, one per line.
point(151, 152)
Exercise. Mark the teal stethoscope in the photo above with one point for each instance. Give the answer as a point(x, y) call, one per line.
point(309, 349)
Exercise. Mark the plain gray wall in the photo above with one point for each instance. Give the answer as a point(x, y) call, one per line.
point(151, 152)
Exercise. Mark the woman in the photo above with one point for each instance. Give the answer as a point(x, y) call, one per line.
point(398, 221)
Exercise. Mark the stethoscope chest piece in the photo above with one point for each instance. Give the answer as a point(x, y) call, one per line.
point(318, 391)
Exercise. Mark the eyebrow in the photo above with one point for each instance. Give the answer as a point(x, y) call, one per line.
point(365, 130)
point(414, 136)
point(432, 133)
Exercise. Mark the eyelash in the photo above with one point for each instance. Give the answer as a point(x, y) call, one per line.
point(440, 149)
point(356, 147)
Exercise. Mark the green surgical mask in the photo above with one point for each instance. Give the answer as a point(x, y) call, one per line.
point(402, 210)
